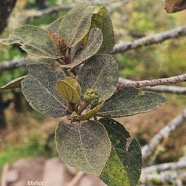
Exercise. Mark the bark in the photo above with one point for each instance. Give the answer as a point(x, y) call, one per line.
point(6, 7)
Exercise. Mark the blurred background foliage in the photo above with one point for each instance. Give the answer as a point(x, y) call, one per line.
point(26, 131)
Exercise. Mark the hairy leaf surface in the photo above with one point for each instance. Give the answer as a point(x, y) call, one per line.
point(76, 23)
point(124, 164)
point(130, 101)
point(93, 44)
point(15, 83)
point(85, 146)
point(100, 73)
point(102, 20)
point(33, 40)
point(54, 26)
point(67, 92)
point(39, 89)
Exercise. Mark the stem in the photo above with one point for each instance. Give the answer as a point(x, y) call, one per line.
point(83, 105)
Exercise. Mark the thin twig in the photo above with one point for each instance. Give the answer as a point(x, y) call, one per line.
point(148, 149)
point(149, 40)
point(76, 179)
point(154, 82)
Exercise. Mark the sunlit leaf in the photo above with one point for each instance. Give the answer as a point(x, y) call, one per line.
point(67, 92)
point(93, 44)
point(76, 23)
point(85, 146)
point(102, 20)
point(33, 40)
point(99, 73)
point(130, 101)
point(15, 83)
point(39, 89)
point(124, 164)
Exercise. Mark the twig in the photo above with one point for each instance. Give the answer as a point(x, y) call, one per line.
point(149, 40)
point(4, 174)
point(148, 149)
point(76, 179)
point(181, 164)
point(16, 63)
point(154, 82)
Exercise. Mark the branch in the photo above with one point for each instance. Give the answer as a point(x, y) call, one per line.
point(149, 149)
point(154, 82)
point(16, 63)
point(149, 40)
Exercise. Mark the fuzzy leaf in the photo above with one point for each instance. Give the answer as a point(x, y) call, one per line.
point(100, 73)
point(124, 164)
point(102, 20)
point(40, 91)
point(54, 26)
point(85, 146)
point(91, 113)
point(130, 101)
point(15, 83)
point(67, 92)
point(76, 23)
point(33, 40)
point(93, 44)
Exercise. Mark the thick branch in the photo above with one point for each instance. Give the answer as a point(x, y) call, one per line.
point(149, 40)
point(163, 81)
point(149, 149)
point(9, 65)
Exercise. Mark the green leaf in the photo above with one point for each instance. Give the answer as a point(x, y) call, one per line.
point(76, 23)
point(90, 113)
point(74, 84)
point(103, 21)
point(99, 73)
point(85, 146)
point(33, 40)
point(15, 83)
point(130, 101)
point(93, 44)
point(67, 92)
point(39, 89)
point(124, 164)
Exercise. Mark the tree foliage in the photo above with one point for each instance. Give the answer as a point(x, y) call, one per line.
point(84, 88)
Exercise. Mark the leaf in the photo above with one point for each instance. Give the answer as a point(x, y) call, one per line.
point(90, 113)
point(54, 26)
point(124, 164)
point(85, 146)
point(67, 92)
point(130, 101)
point(74, 84)
point(33, 40)
point(15, 83)
point(99, 73)
point(40, 91)
point(103, 21)
point(76, 23)
point(95, 39)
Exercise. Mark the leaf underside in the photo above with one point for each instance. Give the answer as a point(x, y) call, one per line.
point(85, 146)
point(15, 83)
point(33, 40)
point(130, 101)
point(76, 23)
point(99, 73)
point(124, 164)
point(39, 89)
point(95, 39)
